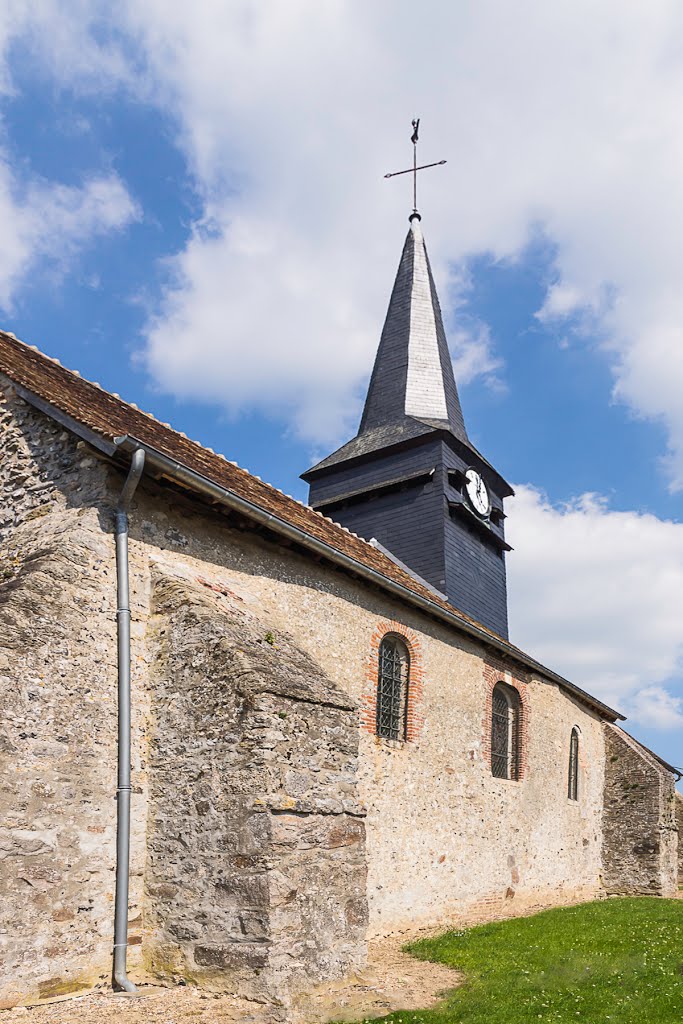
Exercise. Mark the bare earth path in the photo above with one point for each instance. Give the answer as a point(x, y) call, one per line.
point(391, 981)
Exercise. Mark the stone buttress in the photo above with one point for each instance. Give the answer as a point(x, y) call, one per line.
point(640, 832)
point(256, 874)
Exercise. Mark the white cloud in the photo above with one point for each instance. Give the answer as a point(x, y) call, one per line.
point(597, 595)
point(559, 117)
point(48, 222)
point(656, 708)
point(67, 42)
point(474, 354)
point(231, 332)
point(45, 223)
point(563, 116)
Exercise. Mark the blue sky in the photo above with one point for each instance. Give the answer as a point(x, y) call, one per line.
point(198, 220)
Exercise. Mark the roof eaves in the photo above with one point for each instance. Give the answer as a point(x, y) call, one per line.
point(196, 482)
point(411, 433)
point(91, 436)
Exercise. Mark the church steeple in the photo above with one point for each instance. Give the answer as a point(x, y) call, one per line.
point(413, 372)
point(411, 479)
point(412, 390)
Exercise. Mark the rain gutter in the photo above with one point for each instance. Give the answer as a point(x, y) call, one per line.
point(196, 482)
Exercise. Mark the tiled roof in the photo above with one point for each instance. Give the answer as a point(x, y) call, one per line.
point(108, 417)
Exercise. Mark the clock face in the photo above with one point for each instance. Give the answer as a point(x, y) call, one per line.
point(477, 492)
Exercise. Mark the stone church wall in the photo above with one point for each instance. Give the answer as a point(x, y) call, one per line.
point(256, 854)
point(445, 840)
point(640, 832)
point(304, 915)
point(679, 825)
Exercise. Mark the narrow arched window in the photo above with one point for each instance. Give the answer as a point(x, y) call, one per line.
point(505, 738)
point(392, 688)
point(573, 775)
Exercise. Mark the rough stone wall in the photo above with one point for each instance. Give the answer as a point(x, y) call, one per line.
point(444, 838)
point(256, 875)
point(58, 753)
point(679, 826)
point(58, 712)
point(640, 835)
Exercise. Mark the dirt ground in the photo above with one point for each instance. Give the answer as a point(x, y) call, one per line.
point(392, 980)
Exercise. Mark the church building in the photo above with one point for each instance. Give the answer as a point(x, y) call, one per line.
point(241, 735)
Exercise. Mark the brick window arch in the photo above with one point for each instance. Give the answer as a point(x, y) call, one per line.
point(498, 672)
point(395, 650)
point(573, 772)
point(505, 732)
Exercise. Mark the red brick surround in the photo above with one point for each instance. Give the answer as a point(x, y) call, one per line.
point(368, 701)
point(497, 671)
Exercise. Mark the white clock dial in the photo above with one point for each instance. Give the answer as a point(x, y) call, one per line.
point(477, 492)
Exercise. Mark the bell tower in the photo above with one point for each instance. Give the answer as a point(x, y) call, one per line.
point(411, 480)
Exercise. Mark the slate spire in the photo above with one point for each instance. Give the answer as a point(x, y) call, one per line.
point(413, 373)
point(401, 482)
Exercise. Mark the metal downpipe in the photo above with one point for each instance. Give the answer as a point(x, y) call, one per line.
point(120, 978)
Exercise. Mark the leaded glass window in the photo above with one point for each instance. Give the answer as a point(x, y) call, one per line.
point(392, 688)
point(505, 732)
point(573, 779)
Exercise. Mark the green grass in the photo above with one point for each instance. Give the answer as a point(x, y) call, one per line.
point(617, 961)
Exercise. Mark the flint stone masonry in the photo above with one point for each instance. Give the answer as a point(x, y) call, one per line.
point(302, 918)
point(444, 838)
point(640, 839)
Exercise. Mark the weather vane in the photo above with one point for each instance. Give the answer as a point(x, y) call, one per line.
point(414, 169)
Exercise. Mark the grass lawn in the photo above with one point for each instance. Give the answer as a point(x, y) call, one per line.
point(617, 961)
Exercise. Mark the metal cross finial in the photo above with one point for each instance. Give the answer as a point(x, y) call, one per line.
point(414, 169)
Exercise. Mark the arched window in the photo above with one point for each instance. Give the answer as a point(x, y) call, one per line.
point(392, 688)
point(505, 732)
point(573, 775)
